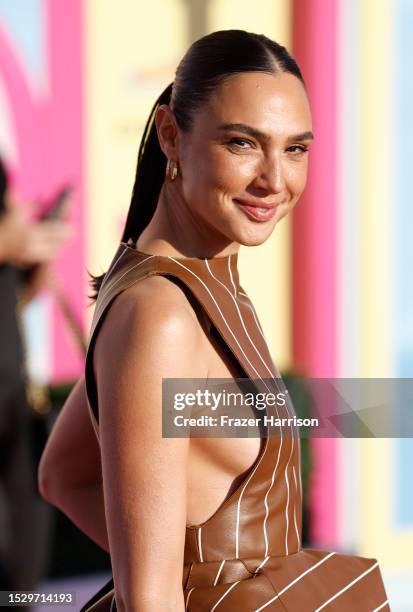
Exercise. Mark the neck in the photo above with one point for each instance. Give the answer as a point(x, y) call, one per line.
point(176, 230)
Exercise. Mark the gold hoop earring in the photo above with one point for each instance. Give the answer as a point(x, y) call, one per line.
point(171, 170)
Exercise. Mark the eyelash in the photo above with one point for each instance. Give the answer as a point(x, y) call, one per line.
point(302, 148)
point(236, 141)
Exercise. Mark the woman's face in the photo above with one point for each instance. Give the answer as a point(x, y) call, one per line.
point(243, 164)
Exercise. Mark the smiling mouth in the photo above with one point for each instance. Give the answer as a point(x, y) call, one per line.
point(257, 212)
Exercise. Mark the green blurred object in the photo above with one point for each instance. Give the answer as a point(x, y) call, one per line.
point(302, 400)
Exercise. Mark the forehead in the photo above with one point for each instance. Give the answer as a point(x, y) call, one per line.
point(265, 101)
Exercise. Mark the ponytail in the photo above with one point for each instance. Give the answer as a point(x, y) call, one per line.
point(150, 175)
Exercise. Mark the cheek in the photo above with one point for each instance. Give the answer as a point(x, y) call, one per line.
point(217, 170)
point(227, 172)
point(299, 177)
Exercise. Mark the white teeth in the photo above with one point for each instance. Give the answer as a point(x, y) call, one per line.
point(262, 209)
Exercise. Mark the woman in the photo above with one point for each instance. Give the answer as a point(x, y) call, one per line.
point(232, 134)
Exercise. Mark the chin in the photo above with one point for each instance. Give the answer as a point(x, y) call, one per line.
point(249, 242)
point(255, 235)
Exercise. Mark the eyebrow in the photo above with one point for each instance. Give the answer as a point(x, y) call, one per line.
point(251, 131)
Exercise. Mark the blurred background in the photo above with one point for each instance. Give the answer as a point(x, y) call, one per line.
point(77, 81)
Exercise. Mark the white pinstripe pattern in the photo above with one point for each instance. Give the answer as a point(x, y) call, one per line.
point(267, 510)
point(201, 556)
point(112, 266)
point(347, 587)
point(219, 572)
point(230, 275)
point(299, 471)
point(281, 436)
point(288, 489)
point(106, 282)
point(98, 311)
point(271, 373)
point(246, 357)
point(239, 506)
point(241, 319)
point(224, 595)
point(310, 569)
point(295, 509)
point(262, 563)
point(253, 314)
point(268, 492)
point(223, 318)
point(253, 368)
point(382, 606)
point(266, 442)
point(187, 598)
point(287, 519)
point(130, 270)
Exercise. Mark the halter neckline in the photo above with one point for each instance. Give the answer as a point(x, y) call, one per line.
point(218, 258)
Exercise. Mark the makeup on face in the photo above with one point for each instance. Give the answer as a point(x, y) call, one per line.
point(250, 143)
point(256, 211)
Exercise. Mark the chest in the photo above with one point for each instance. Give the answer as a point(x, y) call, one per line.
point(233, 455)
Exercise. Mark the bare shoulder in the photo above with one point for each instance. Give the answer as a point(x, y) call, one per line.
point(154, 315)
point(160, 292)
point(149, 334)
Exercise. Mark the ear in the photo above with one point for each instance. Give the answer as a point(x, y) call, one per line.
point(167, 131)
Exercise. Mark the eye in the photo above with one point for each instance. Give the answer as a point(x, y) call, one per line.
point(240, 143)
point(301, 149)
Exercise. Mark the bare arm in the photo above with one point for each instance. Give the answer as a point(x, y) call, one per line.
point(149, 334)
point(70, 475)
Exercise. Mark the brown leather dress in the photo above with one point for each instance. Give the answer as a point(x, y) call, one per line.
point(247, 556)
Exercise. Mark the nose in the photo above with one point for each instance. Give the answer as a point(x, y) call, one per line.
point(270, 176)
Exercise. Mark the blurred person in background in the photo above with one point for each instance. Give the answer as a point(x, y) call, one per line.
point(26, 249)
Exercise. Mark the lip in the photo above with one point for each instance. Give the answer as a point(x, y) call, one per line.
point(257, 211)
